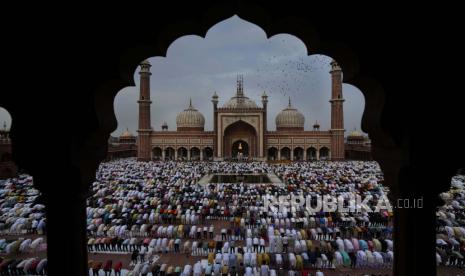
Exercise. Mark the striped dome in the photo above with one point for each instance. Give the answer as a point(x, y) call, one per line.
point(240, 103)
point(126, 134)
point(190, 117)
point(290, 117)
point(356, 133)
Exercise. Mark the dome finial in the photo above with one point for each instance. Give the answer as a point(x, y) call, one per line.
point(4, 125)
point(190, 102)
point(240, 86)
point(289, 101)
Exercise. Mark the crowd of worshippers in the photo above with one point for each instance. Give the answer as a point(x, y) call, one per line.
point(20, 209)
point(160, 207)
point(21, 213)
point(450, 240)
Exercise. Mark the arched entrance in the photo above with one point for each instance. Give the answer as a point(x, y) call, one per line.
point(324, 153)
point(207, 153)
point(240, 149)
point(272, 153)
point(195, 153)
point(298, 154)
point(157, 153)
point(243, 134)
point(169, 153)
point(311, 153)
point(285, 153)
point(182, 153)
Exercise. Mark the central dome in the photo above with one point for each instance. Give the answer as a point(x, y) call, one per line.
point(355, 133)
point(240, 101)
point(126, 134)
point(290, 118)
point(190, 118)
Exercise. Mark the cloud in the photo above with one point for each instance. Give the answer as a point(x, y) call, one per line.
point(196, 67)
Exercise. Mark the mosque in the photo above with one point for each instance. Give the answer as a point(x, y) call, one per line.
point(240, 129)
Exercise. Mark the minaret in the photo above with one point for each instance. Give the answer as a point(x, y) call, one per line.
point(145, 129)
point(215, 124)
point(337, 114)
point(265, 106)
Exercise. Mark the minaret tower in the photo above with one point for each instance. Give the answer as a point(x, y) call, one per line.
point(265, 106)
point(215, 124)
point(145, 129)
point(337, 114)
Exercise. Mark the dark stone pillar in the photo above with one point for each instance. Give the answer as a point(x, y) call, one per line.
point(414, 239)
point(415, 227)
point(66, 224)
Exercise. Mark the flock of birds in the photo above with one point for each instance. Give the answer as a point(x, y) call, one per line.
point(289, 75)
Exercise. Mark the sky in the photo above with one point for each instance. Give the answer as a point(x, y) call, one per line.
point(196, 67)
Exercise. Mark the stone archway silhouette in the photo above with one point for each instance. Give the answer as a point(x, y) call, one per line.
point(110, 67)
point(347, 59)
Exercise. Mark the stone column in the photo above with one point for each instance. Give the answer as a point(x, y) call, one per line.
point(279, 154)
point(201, 154)
point(145, 129)
point(305, 155)
point(176, 154)
point(163, 154)
point(337, 114)
point(66, 256)
point(215, 125)
point(317, 154)
point(188, 154)
point(292, 154)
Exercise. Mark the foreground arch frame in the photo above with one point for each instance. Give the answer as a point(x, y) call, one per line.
point(93, 119)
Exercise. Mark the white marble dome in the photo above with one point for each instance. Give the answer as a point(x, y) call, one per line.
point(356, 133)
point(190, 117)
point(290, 117)
point(126, 134)
point(240, 102)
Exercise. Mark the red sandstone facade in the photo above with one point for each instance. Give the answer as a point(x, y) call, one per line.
point(240, 130)
point(358, 147)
